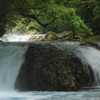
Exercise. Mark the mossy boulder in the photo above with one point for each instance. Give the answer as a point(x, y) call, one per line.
point(50, 36)
point(32, 38)
point(49, 68)
point(40, 38)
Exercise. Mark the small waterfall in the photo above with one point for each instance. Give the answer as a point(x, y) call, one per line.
point(20, 37)
point(11, 58)
point(1, 40)
point(91, 56)
point(88, 55)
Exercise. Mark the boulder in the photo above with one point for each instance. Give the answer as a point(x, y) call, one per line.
point(32, 38)
point(40, 38)
point(50, 35)
point(49, 68)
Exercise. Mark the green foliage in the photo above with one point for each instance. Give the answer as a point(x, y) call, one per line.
point(94, 38)
point(89, 10)
point(78, 16)
point(3, 18)
point(97, 12)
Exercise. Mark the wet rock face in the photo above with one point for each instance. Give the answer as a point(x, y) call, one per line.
point(48, 68)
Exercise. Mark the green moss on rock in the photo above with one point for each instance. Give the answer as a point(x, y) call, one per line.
point(50, 35)
point(94, 38)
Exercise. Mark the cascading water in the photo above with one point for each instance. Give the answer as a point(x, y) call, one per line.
point(91, 56)
point(88, 55)
point(20, 37)
point(11, 58)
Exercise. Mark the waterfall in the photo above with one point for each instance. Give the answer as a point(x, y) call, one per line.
point(11, 58)
point(20, 37)
point(88, 55)
point(91, 56)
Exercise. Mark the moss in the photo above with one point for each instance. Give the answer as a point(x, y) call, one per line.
point(69, 36)
point(66, 36)
point(40, 38)
point(94, 38)
point(32, 38)
point(50, 35)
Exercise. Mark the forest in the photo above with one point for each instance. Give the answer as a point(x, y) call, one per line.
point(78, 19)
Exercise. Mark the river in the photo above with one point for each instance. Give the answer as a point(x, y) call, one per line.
point(9, 55)
point(80, 95)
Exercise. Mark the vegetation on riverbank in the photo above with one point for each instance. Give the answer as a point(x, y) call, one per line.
point(79, 19)
point(94, 38)
point(67, 36)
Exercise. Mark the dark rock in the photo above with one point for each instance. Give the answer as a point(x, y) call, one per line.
point(2, 31)
point(48, 68)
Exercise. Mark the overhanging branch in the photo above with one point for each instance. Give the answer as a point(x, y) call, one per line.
point(37, 20)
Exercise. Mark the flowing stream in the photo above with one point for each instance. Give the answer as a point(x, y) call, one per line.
point(12, 57)
point(88, 55)
point(21, 37)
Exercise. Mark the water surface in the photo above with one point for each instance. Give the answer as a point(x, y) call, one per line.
point(79, 95)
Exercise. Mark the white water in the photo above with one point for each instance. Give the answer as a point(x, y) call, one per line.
point(91, 56)
point(11, 58)
point(88, 55)
point(80, 95)
point(20, 38)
